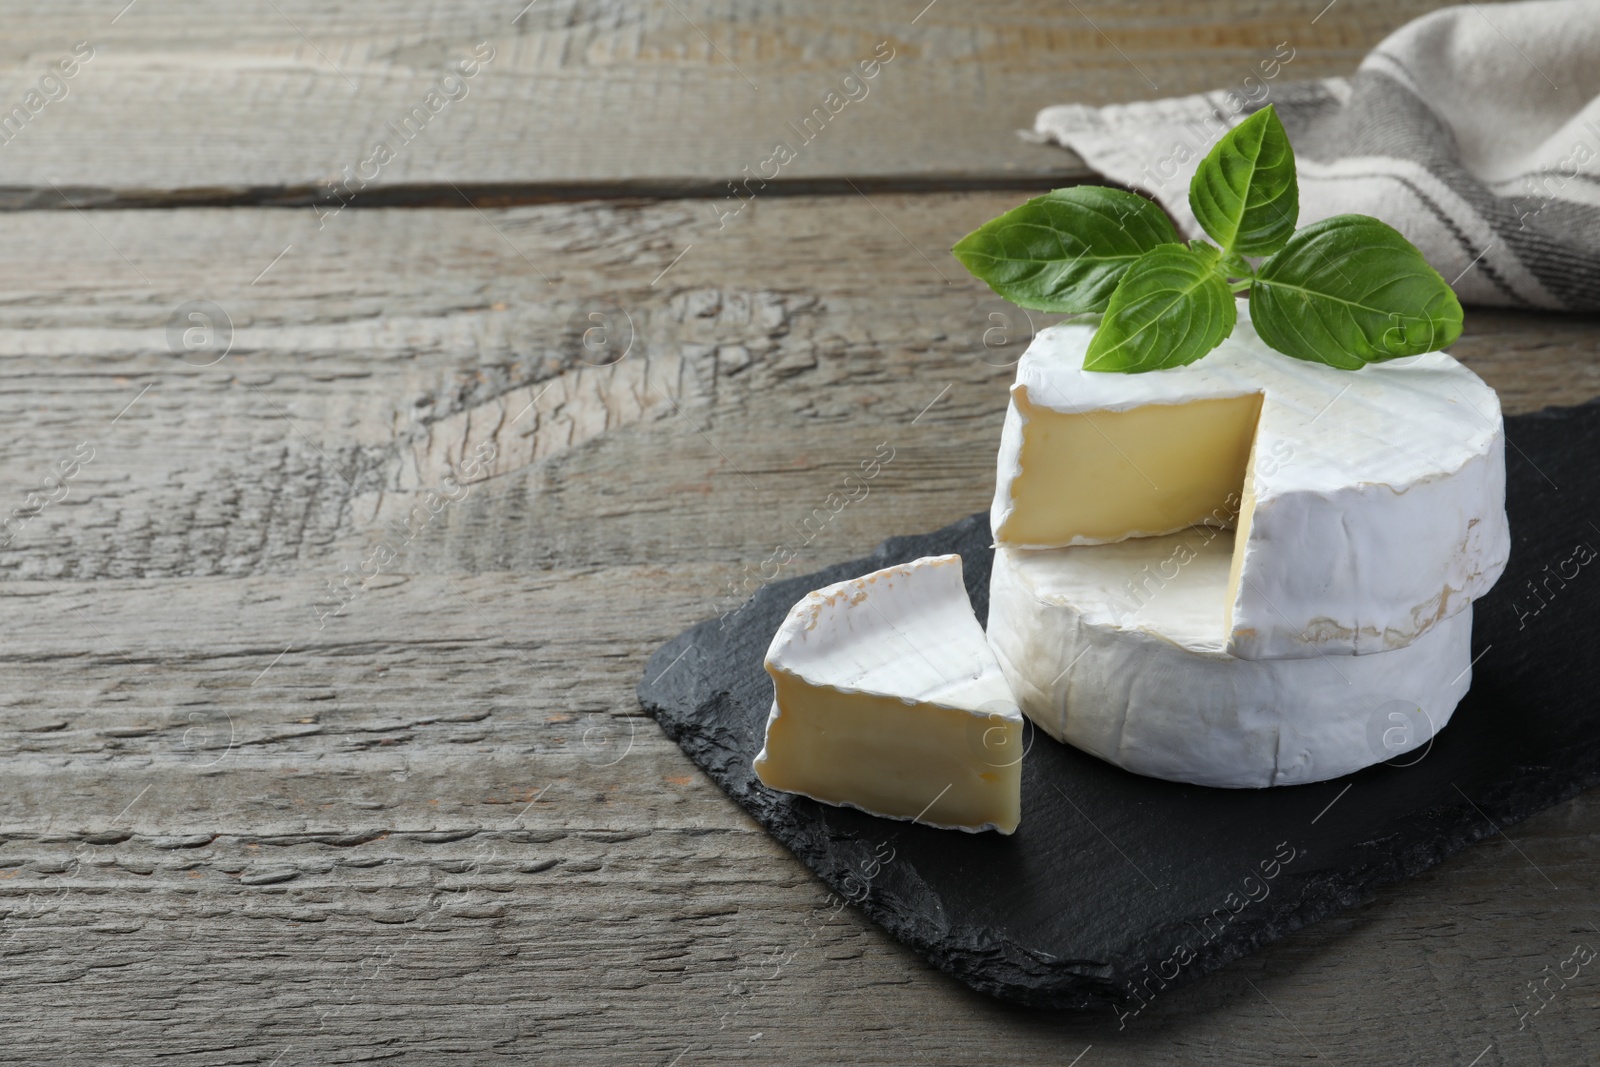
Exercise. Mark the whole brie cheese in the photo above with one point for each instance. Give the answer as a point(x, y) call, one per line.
point(1150, 686)
point(888, 698)
point(1369, 505)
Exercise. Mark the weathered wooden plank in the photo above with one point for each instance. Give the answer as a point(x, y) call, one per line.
point(456, 700)
point(709, 947)
point(170, 103)
point(234, 830)
point(799, 340)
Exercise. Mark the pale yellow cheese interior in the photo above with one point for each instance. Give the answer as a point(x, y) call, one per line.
point(948, 767)
point(1102, 476)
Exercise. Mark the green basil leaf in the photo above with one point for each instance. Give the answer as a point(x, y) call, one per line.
point(1349, 291)
point(1245, 194)
point(1064, 251)
point(1171, 307)
point(1236, 266)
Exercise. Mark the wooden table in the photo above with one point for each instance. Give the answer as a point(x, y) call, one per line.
point(314, 756)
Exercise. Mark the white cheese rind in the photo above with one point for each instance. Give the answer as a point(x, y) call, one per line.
point(1154, 693)
point(888, 698)
point(1378, 494)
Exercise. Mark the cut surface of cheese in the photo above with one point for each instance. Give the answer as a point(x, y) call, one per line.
point(888, 698)
point(1370, 504)
point(1108, 475)
point(1121, 650)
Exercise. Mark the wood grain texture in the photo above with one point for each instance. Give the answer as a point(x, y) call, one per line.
point(432, 827)
point(270, 100)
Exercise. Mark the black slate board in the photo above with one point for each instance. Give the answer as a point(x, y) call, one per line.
point(1116, 886)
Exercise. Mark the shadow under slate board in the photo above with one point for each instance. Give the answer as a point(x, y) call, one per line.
point(1117, 886)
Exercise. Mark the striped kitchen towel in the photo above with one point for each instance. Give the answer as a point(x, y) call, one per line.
point(1474, 131)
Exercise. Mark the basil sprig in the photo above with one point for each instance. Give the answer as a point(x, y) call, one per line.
point(1346, 291)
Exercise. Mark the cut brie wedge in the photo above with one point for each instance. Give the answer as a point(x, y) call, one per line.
point(1149, 686)
point(889, 699)
point(1369, 504)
